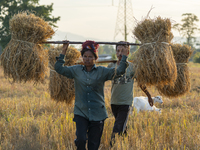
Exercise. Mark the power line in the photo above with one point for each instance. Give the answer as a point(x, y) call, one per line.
point(125, 19)
point(72, 6)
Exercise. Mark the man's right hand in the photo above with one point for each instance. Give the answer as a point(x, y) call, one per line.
point(65, 47)
point(150, 101)
point(144, 89)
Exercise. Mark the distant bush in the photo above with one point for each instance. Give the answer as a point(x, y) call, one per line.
point(114, 57)
point(196, 58)
point(133, 57)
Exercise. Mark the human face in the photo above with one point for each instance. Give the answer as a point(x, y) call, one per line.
point(88, 59)
point(121, 50)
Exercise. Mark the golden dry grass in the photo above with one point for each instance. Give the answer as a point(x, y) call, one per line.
point(29, 120)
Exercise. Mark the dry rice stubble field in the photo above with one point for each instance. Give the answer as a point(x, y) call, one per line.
point(29, 120)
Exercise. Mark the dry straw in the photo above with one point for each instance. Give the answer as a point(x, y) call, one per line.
point(24, 59)
point(182, 84)
point(155, 64)
point(62, 88)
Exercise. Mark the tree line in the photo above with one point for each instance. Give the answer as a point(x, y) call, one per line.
point(10, 7)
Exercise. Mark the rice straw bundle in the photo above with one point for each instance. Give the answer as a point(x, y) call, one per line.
point(182, 84)
point(155, 63)
point(181, 53)
point(62, 88)
point(24, 59)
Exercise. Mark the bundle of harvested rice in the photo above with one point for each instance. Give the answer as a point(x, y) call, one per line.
point(181, 53)
point(62, 88)
point(155, 64)
point(24, 59)
point(182, 84)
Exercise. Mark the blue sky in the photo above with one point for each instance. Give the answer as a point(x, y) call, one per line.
point(97, 18)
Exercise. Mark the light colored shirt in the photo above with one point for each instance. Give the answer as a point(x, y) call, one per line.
point(89, 87)
point(122, 87)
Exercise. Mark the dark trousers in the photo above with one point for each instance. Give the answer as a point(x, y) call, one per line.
point(88, 130)
point(120, 113)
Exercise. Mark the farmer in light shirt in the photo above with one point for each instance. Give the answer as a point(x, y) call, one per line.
point(122, 92)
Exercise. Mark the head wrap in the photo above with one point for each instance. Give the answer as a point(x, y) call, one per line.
point(91, 46)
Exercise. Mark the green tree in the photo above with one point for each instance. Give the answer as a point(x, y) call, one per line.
point(188, 27)
point(100, 50)
point(108, 49)
point(133, 48)
point(114, 57)
point(10, 7)
point(196, 58)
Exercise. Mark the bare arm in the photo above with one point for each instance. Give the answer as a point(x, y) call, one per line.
point(59, 65)
point(64, 49)
point(144, 89)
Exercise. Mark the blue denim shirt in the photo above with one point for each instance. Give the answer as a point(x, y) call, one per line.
point(89, 86)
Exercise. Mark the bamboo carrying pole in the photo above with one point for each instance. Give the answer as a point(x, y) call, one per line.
point(75, 42)
point(99, 62)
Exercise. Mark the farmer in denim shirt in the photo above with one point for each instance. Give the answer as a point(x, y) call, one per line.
point(89, 109)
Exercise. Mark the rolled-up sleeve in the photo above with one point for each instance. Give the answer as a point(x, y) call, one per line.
point(63, 70)
point(121, 69)
point(122, 66)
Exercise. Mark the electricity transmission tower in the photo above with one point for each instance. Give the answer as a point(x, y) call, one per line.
point(125, 19)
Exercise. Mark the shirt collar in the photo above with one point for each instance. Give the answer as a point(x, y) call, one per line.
point(84, 68)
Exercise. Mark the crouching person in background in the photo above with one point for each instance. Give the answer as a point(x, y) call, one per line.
point(122, 93)
point(89, 108)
